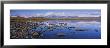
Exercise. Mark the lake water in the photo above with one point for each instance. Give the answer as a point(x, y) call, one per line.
point(69, 29)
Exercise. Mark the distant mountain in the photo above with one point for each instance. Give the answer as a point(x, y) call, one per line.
point(60, 16)
point(68, 16)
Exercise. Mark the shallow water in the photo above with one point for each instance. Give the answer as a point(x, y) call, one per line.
point(69, 29)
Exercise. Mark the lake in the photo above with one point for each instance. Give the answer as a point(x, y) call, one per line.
point(68, 29)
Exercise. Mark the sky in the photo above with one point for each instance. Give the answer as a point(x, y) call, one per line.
point(57, 12)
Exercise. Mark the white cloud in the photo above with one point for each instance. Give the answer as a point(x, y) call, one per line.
point(87, 15)
point(48, 13)
point(62, 14)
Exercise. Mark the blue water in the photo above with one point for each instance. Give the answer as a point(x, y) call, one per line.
point(69, 29)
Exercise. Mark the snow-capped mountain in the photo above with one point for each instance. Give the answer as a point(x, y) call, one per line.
point(60, 15)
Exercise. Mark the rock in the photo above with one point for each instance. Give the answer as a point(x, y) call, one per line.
point(71, 27)
point(96, 30)
point(81, 29)
point(35, 33)
point(60, 34)
point(42, 35)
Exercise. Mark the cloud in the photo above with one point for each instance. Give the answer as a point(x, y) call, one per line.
point(66, 14)
point(48, 13)
point(58, 14)
point(87, 15)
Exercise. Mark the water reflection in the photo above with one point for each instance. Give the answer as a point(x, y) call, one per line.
point(57, 29)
